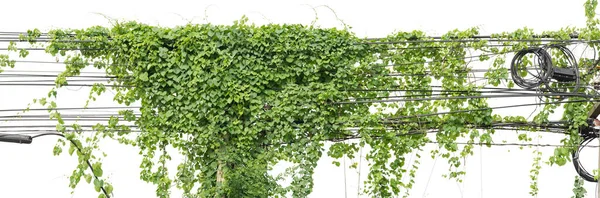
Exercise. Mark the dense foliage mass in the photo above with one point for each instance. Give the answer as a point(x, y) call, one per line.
point(236, 99)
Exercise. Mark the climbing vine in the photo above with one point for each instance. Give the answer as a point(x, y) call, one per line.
point(236, 99)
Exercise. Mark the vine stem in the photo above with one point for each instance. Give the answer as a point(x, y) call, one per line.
point(220, 178)
point(220, 165)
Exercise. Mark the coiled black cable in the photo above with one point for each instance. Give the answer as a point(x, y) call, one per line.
point(587, 138)
point(583, 173)
point(571, 64)
point(544, 73)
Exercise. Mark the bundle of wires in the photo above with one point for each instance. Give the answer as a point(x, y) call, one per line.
point(545, 62)
point(587, 136)
point(543, 74)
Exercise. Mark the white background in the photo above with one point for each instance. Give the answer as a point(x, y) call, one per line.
point(32, 170)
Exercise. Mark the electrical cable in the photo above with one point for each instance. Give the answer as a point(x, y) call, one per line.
point(53, 126)
point(100, 49)
point(397, 118)
point(72, 108)
point(481, 171)
point(572, 66)
point(503, 90)
point(509, 144)
point(64, 119)
point(462, 97)
point(475, 38)
point(107, 116)
point(416, 133)
point(350, 137)
point(441, 94)
point(494, 88)
point(27, 73)
point(573, 36)
point(400, 64)
point(105, 79)
point(549, 127)
point(346, 90)
point(583, 173)
point(67, 85)
point(52, 80)
point(541, 129)
point(33, 131)
point(470, 41)
point(492, 108)
point(498, 40)
point(436, 61)
point(438, 90)
point(546, 70)
point(360, 156)
point(544, 59)
point(430, 175)
point(392, 65)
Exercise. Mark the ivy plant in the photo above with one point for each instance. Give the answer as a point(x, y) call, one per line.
point(237, 99)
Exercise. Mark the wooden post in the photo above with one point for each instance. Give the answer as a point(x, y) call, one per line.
point(221, 165)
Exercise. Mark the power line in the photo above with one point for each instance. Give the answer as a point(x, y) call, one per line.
point(429, 142)
point(414, 116)
point(83, 119)
point(396, 48)
point(367, 99)
point(479, 40)
point(499, 125)
point(388, 65)
point(464, 97)
point(19, 83)
point(492, 108)
point(16, 35)
point(54, 126)
point(36, 73)
point(72, 108)
point(34, 131)
point(68, 116)
point(510, 144)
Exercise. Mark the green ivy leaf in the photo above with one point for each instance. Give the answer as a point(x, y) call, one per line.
point(97, 167)
point(98, 185)
point(289, 59)
point(144, 76)
point(88, 178)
